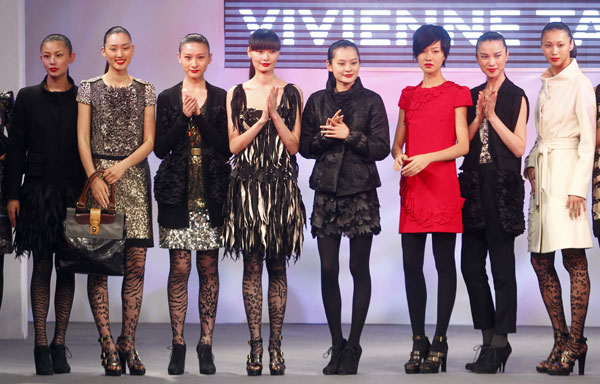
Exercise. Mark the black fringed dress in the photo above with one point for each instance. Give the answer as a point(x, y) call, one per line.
point(265, 213)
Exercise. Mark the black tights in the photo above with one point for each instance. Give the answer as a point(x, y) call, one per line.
point(252, 293)
point(40, 299)
point(575, 263)
point(360, 251)
point(413, 250)
point(208, 292)
point(131, 296)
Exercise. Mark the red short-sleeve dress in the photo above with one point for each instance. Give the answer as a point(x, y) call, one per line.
point(430, 200)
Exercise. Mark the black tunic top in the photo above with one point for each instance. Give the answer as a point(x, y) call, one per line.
point(172, 144)
point(44, 132)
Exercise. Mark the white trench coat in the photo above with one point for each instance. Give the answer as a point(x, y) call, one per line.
point(563, 159)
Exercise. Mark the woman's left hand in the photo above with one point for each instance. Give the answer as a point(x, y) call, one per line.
point(576, 206)
point(335, 130)
point(415, 164)
point(114, 173)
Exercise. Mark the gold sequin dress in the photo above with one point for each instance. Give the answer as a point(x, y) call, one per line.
point(117, 130)
point(199, 235)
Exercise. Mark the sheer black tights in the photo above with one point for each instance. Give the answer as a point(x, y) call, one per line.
point(252, 293)
point(208, 294)
point(413, 250)
point(575, 262)
point(131, 296)
point(360, 251)
point(40, 299)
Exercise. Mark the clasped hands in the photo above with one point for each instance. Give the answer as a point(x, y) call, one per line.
point(334, 127)
point(271, 109)
point(111, 176)
point(486, 104)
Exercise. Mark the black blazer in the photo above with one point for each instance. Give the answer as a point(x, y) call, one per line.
point(345, 167)
point(43, 132)
point(172, 144)
point(508, 106)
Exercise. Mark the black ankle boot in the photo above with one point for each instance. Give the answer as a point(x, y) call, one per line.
point(479, 349)
point(43, 363)
point(493, 359)
point(206, 359)
point(349, 359)
point(58, 353)
point(177, 361)
point(336, 353)
point(420, 349)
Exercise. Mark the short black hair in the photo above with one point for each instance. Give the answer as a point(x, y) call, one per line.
point(194, 38)
point(560, 26)
point(490, 36)
point(428, 34)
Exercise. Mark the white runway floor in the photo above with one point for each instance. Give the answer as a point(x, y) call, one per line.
point(385, 349)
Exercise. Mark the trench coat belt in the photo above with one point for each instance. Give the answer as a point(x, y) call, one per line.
point(544, 150)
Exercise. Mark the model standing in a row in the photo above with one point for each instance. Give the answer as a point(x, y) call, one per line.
point(559, 168)
point(191, 187)
point(116, 134)
point(345, 128)
point(431, 134)
point(265, 215)
point(44, 135)
point(493, 189)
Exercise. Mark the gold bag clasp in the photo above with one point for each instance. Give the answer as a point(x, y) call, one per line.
point(95, 214)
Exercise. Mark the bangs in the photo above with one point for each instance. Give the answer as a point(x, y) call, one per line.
point(264, 39)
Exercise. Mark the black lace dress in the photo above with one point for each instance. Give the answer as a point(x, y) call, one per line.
point(265, 213)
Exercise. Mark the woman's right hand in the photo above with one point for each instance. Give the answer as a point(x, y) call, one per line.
point(100, 192)
point(530, 174)
point(13, 209)
point(399, 161)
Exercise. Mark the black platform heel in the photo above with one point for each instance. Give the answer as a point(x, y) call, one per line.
point(254, 364)
point(206, 359)
point(43, 363)
point(336, 354)
point(130, 358)
point(568, 358)
point(493, 359)
point(437, 356)
point(276, 360)
point(420, 349)
point(110, 359)
point(59, 354)
point(560, 342)
point(177, 360)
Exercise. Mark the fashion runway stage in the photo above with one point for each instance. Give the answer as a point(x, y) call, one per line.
point(385, 349)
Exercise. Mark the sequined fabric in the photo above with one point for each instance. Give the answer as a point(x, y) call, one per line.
point(485, 156)
point(195, 181)
point(117, 114)
point(198, 236)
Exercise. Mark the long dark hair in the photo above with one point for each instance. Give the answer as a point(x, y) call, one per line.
point(194, 38)
point(331, 53)
point(490, 36)
point(560, 26)
point(111, 31)
point(263, 39)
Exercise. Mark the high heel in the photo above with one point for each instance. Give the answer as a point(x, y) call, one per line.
point(349, 360)
point(336, 354)
point(493, 359)
point(59, 354)
point(420, 349)
point(254, 364)
point(436, 358)
point(276, 360)
point(206, 359)
point(43, 363)
point(177, 360)
point(560, 342)
point(130, 358)
point(110, 359)
point(568, 358)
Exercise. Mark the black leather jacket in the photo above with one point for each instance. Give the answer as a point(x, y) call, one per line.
point(345, 167)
